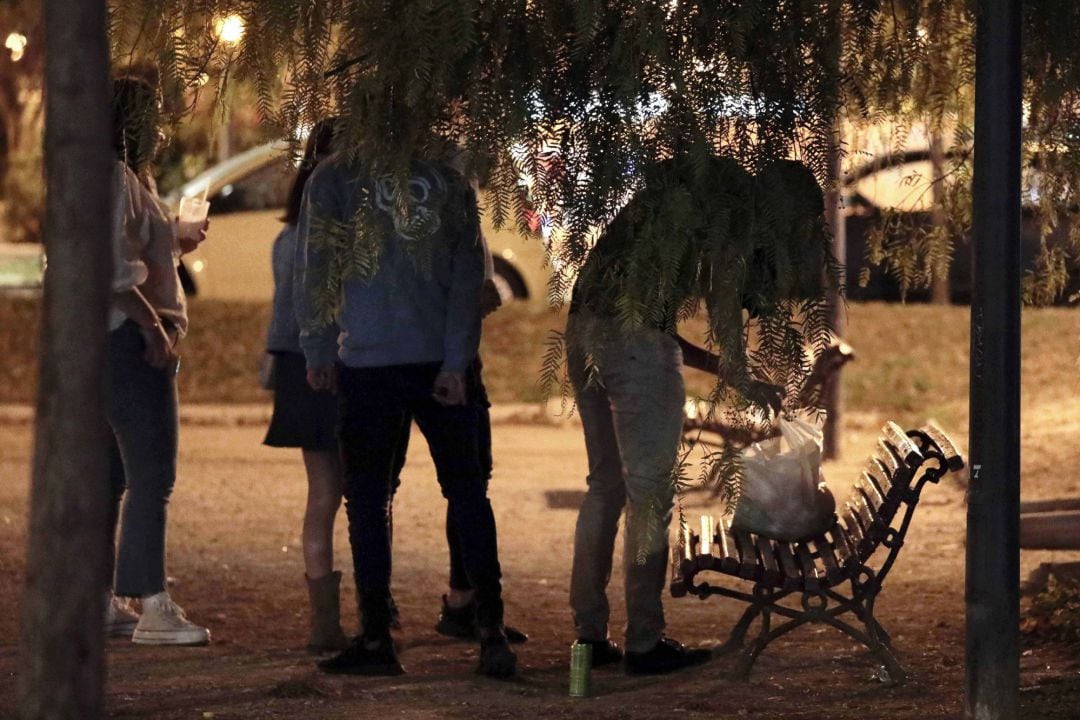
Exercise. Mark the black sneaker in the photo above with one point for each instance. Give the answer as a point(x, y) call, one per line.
point(497, 660)
point(364, 657)
point(461, 623)
point(604, 652)
point(665, 657)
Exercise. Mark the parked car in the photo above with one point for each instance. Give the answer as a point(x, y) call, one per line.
point(247, 200)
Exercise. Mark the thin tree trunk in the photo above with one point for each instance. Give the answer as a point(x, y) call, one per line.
point(832, 398)
point(940, 290)
point(62, 668)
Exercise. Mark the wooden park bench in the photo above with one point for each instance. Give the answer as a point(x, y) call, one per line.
point(826, 578)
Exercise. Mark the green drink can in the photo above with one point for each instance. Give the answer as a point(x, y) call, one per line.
point(580, 669)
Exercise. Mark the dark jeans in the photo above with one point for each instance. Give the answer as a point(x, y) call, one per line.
point(141, 408)
point(376, 407)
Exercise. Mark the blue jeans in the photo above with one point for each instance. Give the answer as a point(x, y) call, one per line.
point(631, 406)
point(377, 405)
point(141, 409)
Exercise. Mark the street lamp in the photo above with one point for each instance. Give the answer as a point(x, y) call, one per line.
point(16, 43)
point(229, 29)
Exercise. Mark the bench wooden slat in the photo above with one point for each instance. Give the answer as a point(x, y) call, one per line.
point(809, 570)
point(888, 457)
point(825, 553)
point(854, 523)
point(865, 500)
point(707, 536)
point(678, 582)
point(905, 449)
point(860, 530)
point(770, 570)
point(873, 522)
point(873, 487)
point(729, 563)
point(881, 474)
point(792, 576)
point(855, 531)
point(686, 541)
point(875, 500)
point(748, 564)
point(846, 552)
point(953, 460)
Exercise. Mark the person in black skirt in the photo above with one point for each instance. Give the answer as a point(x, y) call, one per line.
point(306, 419)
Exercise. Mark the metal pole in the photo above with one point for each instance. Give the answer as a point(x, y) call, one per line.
point(993, 539)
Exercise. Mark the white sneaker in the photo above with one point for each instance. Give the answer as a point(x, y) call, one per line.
point(120, 619)
point(163, 623)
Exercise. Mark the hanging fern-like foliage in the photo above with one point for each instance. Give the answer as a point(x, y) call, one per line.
point(580, 101)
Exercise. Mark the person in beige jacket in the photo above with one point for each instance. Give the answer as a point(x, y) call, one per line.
point(147, 319)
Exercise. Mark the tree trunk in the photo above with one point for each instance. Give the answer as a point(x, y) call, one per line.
point(832, 398)
point(940, 290)
point(62, 663)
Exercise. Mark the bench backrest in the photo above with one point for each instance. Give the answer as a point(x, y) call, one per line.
point(892, 481)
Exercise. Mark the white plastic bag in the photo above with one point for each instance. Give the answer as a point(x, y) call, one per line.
point(783, 491)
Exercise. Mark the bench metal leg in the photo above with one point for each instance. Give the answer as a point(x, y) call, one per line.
point(872, 625)
point(872, 642)
point(737, 637)
point(748, 656)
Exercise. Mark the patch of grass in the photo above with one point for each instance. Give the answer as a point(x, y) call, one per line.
point(221, 353)
point(512, 349)
point(911, 360)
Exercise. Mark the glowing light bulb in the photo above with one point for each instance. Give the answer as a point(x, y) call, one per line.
point(16, 43)
point(229, 29)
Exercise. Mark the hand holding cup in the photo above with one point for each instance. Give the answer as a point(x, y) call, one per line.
point(191, 222)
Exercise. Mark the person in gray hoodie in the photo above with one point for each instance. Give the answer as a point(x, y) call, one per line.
point(399, 342)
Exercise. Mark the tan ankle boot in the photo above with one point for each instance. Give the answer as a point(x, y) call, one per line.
point(325, 595)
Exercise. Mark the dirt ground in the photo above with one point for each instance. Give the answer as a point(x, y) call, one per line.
point(235, 565)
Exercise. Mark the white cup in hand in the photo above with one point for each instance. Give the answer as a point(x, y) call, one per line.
point(191, 219)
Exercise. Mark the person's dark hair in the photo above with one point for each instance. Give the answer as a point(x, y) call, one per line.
point(318, 146)
point(135, 111)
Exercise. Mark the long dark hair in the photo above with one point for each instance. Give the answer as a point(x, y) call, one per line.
point(318, 146)
point(135, 119)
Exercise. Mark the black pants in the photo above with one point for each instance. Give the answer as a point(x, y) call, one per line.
point(376, 407)
point(459, 578)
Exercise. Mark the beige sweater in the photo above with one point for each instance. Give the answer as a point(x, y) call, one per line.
point(145, 250)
